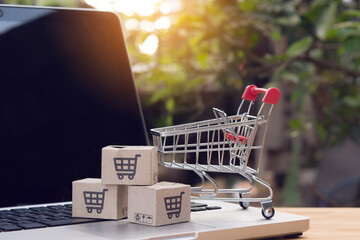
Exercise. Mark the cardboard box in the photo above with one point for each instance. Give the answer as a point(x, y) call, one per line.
point(91, 199)
point(160, 204)
point(129, 165)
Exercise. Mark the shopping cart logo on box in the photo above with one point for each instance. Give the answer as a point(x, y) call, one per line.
point(94, 200)
point(224, 144)
point(126, 166)
point(173, 205)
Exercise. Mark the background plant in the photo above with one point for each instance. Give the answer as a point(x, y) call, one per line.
point(311, 47)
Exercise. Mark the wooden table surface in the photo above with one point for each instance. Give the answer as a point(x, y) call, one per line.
point(329, 223)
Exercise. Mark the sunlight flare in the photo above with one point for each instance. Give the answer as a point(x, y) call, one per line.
point(150, 45)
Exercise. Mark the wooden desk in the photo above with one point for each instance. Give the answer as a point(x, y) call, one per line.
point(329, 223)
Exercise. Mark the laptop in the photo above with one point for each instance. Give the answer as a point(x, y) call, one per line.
point(66, 91)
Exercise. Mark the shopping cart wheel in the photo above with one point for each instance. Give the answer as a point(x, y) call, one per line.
point(268, 213)
point(169, 215)
point(131, 177)
point(98, 211)
point(89, 210)
point(177, 215)
point(120, 176)
point(244, 205)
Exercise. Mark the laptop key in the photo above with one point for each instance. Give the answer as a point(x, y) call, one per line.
point(37, 209)
point(53, 223)
point(9, 227)
point(22, 219)
point(11, 218)
point(19, 210)
point(31, 225)
point(37, 217)
point(56, 207)
point(5, 222)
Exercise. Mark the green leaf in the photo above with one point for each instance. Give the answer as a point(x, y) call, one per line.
point(299, 47)
point(248, 5)
point(321, 131)
point(290, 77)
point(344, 30)
point(194, 41)
point(240, 54)
point(169, 120)
point(159, 95)
point(319, 3)
point(351, 45)
point(275, 36)
point(170, 105)
point(352, 101)
point(351, 13)
point(296, 124)
point(202, 58)
point(325, 20)
point(291, 20)
point(316, 53)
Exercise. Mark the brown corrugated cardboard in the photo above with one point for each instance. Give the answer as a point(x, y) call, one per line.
point(91, 199)
point(160, 204)
point(129, 165)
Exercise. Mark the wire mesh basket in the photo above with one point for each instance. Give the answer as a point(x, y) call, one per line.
point(223, 144)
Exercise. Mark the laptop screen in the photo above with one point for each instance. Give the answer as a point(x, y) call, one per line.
point(66, 91)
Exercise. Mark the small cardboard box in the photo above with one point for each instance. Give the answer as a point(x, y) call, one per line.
point(160, 204)
point(129, 165)
point(91, 199)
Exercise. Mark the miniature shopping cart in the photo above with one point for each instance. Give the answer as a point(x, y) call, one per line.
point(126, 166)
point(94, 200)
point(173, 205)
point(225, 144)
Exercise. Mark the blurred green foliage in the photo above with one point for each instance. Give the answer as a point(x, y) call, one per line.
point(312, 47)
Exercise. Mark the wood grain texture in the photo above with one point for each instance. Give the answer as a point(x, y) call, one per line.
point(329, 223)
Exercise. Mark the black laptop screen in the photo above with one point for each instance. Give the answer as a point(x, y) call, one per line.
point(66, 91)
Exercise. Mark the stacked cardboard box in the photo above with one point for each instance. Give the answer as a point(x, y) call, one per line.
point(129, 188)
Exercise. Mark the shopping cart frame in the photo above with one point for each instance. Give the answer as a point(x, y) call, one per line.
point(232, 135)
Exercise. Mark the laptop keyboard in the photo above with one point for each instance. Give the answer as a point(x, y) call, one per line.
point(39, 217)
point(54, 215)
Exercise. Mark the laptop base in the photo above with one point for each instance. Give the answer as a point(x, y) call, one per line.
point(229, 222)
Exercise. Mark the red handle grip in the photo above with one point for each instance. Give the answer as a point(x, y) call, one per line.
point(272, 95)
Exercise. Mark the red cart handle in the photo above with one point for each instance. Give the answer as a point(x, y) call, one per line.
point(272, 94)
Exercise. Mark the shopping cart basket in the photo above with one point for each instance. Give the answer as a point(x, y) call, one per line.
point(173, 205)
point(126, 166)
point(224, 145)
point(94, 200)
